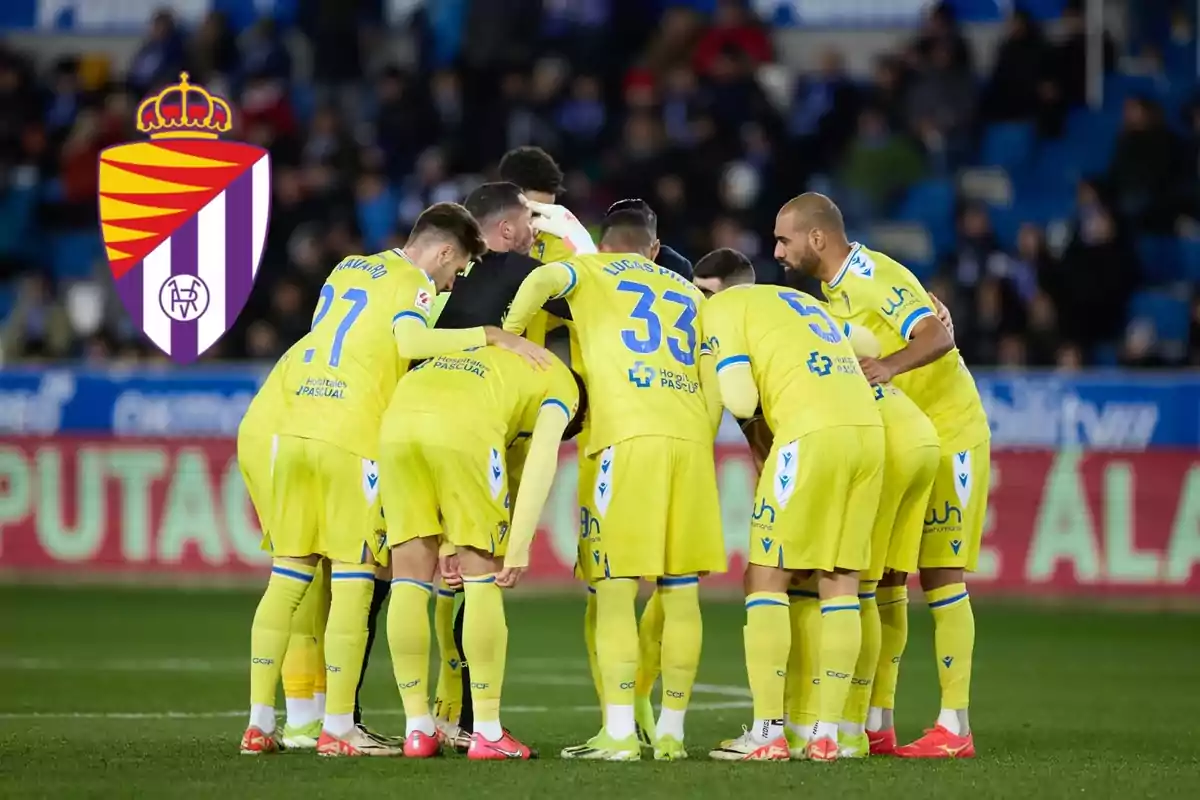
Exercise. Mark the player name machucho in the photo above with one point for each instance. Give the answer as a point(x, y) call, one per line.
point(372, 268)
point(322, 387)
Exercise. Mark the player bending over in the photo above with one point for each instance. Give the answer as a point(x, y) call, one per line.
point(873, 291)
point(816, 498)
point(371, 321)
point(443, 444)
point(654, 500)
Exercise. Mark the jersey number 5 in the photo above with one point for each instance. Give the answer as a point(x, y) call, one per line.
point(824, 327)
point(683, 351)
point(358, 302)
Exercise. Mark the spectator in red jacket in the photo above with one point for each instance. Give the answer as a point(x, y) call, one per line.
point(733, 26)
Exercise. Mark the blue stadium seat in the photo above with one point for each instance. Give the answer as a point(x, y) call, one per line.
point(74, 255)
point(1189, 253)
point(931, 203)
point(8, 298)
point(1162, 259)
point(1169, 312)
point(1007, 144)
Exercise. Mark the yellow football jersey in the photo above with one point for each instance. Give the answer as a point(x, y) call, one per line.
point(803, 365)
point(265, 411)
point(547, 247)
point(483, 393)
point(879, 294)
point(637, 326)
point(343, 373)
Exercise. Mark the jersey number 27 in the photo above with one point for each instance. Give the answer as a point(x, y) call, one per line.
point(358, 302)
point(683, 348)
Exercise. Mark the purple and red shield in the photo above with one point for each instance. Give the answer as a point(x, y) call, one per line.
point(184, 222)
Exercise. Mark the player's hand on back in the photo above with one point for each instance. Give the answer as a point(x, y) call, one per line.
point(510, 577)
point(451, 573)
point(877, 372)
point(943, 313)
point(538, 356)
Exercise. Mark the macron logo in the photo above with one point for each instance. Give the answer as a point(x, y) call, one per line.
point(495, 472)
point(766, 544)
point(372, 480)
point(948, 660)
point(955, 546)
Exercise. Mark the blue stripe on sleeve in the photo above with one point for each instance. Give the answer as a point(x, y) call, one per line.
point(571, 284)
point(291, 573)
point(557, 404)
point(948, 600)
point(732, 361)
point(913, 318)
point(446, 592)
point(404, 314)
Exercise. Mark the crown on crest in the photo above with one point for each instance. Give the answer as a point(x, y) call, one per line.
point(184, 111)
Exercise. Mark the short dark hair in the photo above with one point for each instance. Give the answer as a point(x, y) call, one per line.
point(576, 424)
point(533, 169)
point(493, 198)
point(725, 264)
point(454, 222)
point(634, 204)
point(630, 226)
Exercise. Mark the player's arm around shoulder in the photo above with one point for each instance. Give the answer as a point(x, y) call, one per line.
point(906, 307)
point(725, 335)
point(552, 281)
point(559, 411)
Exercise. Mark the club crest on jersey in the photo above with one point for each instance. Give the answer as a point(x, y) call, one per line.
point(183, 217)
point(424, 300)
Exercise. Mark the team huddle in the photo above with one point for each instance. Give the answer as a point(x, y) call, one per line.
point(389, 452)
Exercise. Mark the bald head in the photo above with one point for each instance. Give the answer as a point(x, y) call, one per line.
point(810, 236)
point(812, 210)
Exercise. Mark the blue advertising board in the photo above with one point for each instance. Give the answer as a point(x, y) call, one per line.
point(1104, 410)
point(124, 16)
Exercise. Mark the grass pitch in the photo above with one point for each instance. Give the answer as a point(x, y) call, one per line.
point(108, 692)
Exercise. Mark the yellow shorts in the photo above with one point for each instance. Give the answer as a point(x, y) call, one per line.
point(433, 488)
point(652, 510)
point(908, 474)
point(588, 539)
point(325, 500)
point(957, 509)
point(816, 500)
point(254, 460)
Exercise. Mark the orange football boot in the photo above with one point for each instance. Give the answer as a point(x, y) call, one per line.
point(938, 742)
point(883, 743)
point(257, 743)
point(823, 749)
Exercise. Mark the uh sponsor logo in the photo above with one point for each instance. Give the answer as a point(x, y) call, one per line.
point(184, 220)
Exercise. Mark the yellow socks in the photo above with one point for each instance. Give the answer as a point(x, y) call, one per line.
point(893, 625)
point(589, 640)
point(841, 637)
point(449, 697)
point(304, 665)
point(269, 635)
point(485, 645)
point(954, 643)
point(768, 639)
point(616, 651)
point(350, 588)
point(805, 614)
point(320, 591)
point(650, 642)
point(408, 642)
point(859, 697)
point(675, 608)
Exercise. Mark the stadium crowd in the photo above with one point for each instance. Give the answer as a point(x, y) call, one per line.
point(683, 114)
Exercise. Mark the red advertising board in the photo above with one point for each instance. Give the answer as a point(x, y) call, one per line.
point(1063, 522)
